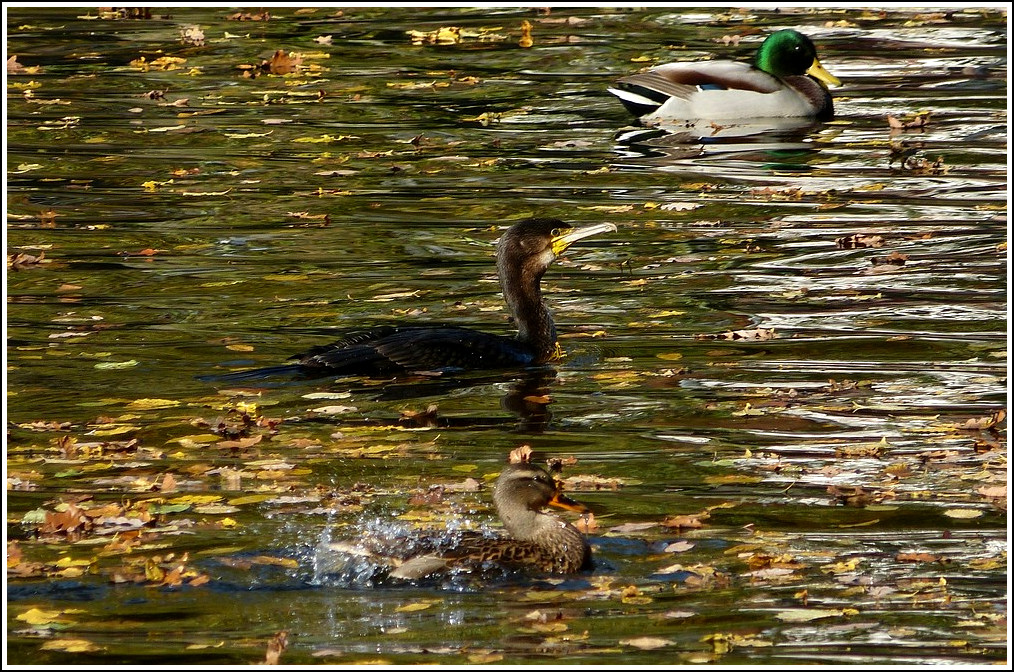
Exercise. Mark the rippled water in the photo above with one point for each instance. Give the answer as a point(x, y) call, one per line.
point(230, 222)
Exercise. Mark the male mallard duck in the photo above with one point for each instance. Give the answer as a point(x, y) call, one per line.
point(535, 540)
point(784, 80)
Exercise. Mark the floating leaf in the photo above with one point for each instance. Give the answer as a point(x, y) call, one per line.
point(152, 403)
point(117, 365)
point(215, 509)
point(805, 615)
point(678, 547)
point(160, 509)
point(69, 645)
point(647, 643)
point(39, 616)
point(415, 606)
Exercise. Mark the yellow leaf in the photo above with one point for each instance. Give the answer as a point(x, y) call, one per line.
point(70, 562)
point(963, 513)
point(196, 499)
point(249, 499)
point(70, 645)
point(415, 606)
point(113, 431)
point(278, 562)
point(38, 616)
point(117, 365)
point(195, 439)
point(153, 572)
point(607, 208)
point(152, 403)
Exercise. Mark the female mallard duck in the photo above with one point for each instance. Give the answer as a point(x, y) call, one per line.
point(784, 80)
point(535, 540)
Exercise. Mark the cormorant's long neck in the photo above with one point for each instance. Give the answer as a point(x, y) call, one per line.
point(523, 296)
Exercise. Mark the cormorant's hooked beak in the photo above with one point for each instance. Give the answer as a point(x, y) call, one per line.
point(567, 237)
point(817, 70)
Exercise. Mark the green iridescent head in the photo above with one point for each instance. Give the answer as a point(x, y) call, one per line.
point(787, 53)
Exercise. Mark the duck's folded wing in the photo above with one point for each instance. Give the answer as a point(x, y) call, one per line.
point(644, 92)
point(719, 75)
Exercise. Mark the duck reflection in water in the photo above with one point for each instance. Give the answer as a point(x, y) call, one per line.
point(787, 142)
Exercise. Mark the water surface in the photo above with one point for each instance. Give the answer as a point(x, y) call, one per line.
point(796, 338)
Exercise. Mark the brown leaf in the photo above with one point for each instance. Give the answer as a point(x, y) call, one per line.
point(168, 483)
point(282, 63)
point(520, 455)
point(23, 260)
point(240, 443)
point(858, 240)
point(276, 646)
point(70, 522)
point(587, 523)
point(246, 16)
point(14, 554)
point(984, 423)
point(894, 258)
point(919, 121)
point(427, 418)
point(993, 491)
point(855, 496)
point(13, 67)
point(686, 522)
point(917, 557)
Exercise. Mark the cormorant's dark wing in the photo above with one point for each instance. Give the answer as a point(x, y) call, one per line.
point(393, 349)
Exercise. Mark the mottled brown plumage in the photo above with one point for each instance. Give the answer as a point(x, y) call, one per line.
point(534, 540)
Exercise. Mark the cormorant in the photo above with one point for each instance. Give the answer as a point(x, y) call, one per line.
point(523, 254)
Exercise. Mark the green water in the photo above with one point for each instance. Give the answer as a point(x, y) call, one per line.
point(196, 221)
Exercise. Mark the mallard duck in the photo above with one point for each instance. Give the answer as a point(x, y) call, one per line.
point(784, 80)
point(535, 541)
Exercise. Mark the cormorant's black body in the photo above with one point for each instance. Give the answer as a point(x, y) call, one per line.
point(391, 350)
